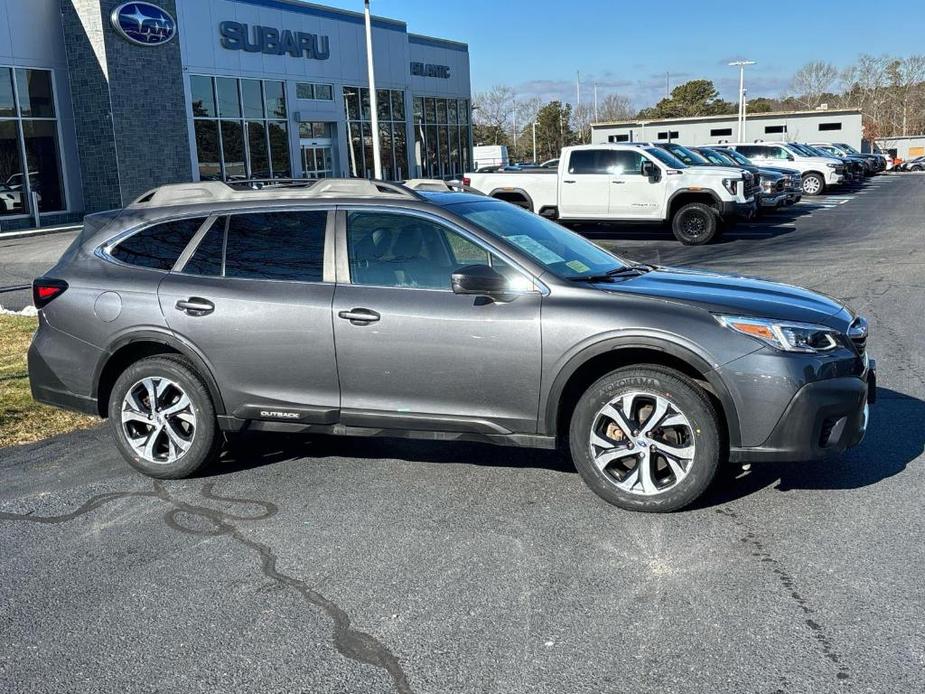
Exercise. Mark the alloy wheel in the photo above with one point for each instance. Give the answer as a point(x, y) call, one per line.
point(811, 185)
point(642, 442)
point(694, 224)
point(158, 420)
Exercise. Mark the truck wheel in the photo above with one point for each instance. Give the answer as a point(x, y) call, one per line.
point(162, 418)
point(695, 224)
point(813, 184)
point(645, 438)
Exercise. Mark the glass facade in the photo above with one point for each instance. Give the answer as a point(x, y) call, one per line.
point(441, 136)
point(29, 133)
point(392, 140)
point(241, 128)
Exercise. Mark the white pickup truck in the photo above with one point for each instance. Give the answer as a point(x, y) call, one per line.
point(628, 183)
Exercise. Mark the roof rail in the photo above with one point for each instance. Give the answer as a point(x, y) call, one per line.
point(438, 185)
point(269, 189)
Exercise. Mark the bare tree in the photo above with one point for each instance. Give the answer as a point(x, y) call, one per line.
point(813, 81)
point(492, 112)
point(867, 82)
point(614, 107)
point(905, 76)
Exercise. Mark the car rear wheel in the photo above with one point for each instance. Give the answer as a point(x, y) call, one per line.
point(695, 224)
point(645, 439)
point(813, 184)
point(162, 418)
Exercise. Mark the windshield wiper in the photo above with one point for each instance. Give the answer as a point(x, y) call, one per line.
point(625, 271)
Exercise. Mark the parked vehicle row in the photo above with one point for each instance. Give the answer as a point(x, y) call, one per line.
point(917, 164)
point(391, 310)
point(699, 191)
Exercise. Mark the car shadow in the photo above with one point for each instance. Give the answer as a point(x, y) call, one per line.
point(895, 438)
point(762, 227)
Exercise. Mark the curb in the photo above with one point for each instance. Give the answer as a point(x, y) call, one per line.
point(44, 231)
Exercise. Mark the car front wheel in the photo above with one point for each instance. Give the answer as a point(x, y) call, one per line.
point(695, 224)
point(645, 439)
point(162, 418)
point(813, 184)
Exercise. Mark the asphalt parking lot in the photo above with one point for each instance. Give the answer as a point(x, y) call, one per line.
point(363, 565)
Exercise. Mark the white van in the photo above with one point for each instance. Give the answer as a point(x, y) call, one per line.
point(486, 156)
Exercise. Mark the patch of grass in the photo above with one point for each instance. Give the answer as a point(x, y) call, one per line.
point(23, 420)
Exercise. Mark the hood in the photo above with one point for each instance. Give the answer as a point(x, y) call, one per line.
point(782, 170)
point(770, 174)
point(718, 171)
point(742, 296)
point(822, 160)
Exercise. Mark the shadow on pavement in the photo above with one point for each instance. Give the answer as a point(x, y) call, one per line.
point(895, 438)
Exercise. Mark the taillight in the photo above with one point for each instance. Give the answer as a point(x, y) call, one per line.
point(467, 181)
point(44, 290)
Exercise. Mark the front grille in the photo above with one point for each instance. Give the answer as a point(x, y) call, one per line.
point(839, 169)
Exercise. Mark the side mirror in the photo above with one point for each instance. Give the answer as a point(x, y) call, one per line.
point(649, 169)
point(789, 157)
point(479, 279)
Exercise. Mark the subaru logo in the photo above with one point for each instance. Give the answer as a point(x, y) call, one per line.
point(144, 23)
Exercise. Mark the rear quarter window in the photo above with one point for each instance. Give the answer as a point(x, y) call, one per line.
point(158, 246)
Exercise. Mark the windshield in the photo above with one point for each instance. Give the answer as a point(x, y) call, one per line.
point(562, 252)
point(737, 157)
point(666, 158)
point(720, 159)
point(688, 156)
point(847, 148)
point(800, 149)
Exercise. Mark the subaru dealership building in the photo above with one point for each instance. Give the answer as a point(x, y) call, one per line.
point(101, 100)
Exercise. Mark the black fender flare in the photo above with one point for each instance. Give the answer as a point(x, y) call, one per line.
point(550, 399)
point(169, 339)
point(520, 191)
point(699, 191)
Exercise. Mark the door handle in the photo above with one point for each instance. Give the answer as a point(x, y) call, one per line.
point(359, 316)
point(569, 181)
point(618, 183)
point(196, 306)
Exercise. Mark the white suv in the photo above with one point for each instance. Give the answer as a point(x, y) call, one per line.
point(818, 172)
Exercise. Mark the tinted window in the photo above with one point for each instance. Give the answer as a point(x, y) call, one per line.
point(720, 132)
point(627, 162)
point(395, 250)
point(774, 128)
point(830, 126)
point(752, 150)
point(591, 161)
point(210, 253)
point(158, 246)
point(276, 246)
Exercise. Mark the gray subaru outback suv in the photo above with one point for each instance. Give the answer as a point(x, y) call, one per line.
point(366, 308)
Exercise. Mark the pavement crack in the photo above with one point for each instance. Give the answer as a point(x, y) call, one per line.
point(764, 556)
point(349, 642)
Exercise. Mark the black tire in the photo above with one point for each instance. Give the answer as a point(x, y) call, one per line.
point(815, 183)
point(695, 224)
point(686, 397)
point(204, 441)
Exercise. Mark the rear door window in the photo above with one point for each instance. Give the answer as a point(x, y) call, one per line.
point(591, 161)
point(282, 246)
point(159, 246)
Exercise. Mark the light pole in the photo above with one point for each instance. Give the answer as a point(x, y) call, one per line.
point(373, 105)
point(534, 140)
point(741, 65)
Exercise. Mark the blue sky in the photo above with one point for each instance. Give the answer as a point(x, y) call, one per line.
point(627, 47)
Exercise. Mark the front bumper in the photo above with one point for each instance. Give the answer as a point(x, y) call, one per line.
point(733, 208)
point(824, 419)
point(773, 199)
point(834, 178)
point(794, 196)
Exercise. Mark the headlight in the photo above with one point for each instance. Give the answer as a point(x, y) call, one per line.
point(784, 336)
point(767, 186)
point(732, 185)
point(832, 166)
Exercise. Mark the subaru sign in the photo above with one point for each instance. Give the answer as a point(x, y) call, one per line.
point(143, 23)
point(272, 41)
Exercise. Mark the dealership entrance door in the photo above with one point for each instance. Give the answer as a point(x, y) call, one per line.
point(317, 144)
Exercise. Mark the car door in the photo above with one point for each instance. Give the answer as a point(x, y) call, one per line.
point(411, 353)
point(251, 295)
point(584, 188)
point(632, 195)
